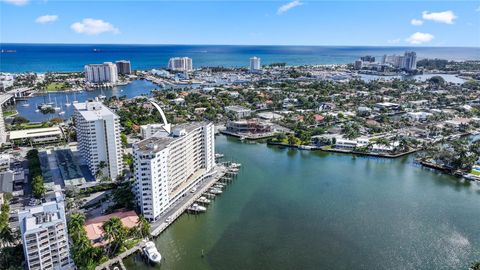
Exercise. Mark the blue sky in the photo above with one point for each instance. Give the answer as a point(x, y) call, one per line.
point(297, 22)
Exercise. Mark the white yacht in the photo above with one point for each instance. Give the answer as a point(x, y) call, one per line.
point(197, 208)
point(215, 191)
point(150, 250)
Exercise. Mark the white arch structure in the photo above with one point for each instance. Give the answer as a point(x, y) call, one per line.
point(166, 125)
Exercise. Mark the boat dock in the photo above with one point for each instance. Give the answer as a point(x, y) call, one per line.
point(222, 173)
point(119, 259)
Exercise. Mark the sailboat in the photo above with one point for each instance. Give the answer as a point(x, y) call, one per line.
point(75, 101)
point(49, 100)
point(67, 104)
point(56, 108)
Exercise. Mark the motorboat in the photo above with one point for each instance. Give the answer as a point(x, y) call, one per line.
point(197, 208)
point(61, 113)
point(150, 250)
point(215, 191)
point(26, 104)
point(203, 200)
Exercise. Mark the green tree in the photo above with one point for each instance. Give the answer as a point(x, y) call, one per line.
point(38, 187)
point(116, 234)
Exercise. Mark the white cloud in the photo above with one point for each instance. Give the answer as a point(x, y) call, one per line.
point(447, 17)
point(288, 6)
point(46, 19)
point(17, 2)
point(393, 41)
point(91, 26)
point(416, 22)
point(419, 38)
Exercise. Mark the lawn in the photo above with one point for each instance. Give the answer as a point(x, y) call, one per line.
point(9, 113)
point(55, 86)
point(475, 172)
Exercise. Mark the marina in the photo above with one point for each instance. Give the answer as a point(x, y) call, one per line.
point(62, 101)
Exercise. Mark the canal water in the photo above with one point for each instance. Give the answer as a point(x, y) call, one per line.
point(292, 209)
point(133, 89)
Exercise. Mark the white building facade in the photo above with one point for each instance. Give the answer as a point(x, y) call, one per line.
point(101, 73)
point(166, 167)
point(45, 236)
point(255, 63)
point(98, 135)
point(180, 64)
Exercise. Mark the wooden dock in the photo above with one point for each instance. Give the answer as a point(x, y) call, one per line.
point(119, 259)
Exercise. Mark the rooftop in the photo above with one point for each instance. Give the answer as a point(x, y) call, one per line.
point(156, 144)
point(94, 226)
point(93, 110)
point(35, 132)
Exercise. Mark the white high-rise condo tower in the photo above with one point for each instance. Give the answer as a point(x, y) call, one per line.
point(255, 63)
point(98, 135)
point(180, 64)
point(101, 73)
point(44, 235)
point(170, 163)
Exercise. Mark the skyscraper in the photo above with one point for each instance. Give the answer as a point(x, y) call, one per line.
point(180, 64)
point(101, 73)
point(44, 235)
point(98, 135)
point(410, 61)
point(255, 63)
point(168, 165)
point(123, 67)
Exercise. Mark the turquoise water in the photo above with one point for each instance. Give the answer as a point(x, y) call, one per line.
point(72, 57)
point(291, 209)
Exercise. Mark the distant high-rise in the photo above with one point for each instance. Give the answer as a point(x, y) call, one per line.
point(358, 64)
point(410, 61)
point(98, 134)
point(101, 73)
point(44, 235)
point(123, 67)
point(255, 63)
point(368, 58)
point(180, 64)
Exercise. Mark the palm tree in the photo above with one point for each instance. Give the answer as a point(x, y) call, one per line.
point(101, 165)
point(115, 234)
point(7, 236)
point(143, 227)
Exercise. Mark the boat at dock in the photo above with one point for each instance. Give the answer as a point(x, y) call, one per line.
point(67, 104)
point(25, 104)
point(150, 250)
point(203, 200)
point(235, 165)
point(218, 155)
point(197, 208)
point(215, 191)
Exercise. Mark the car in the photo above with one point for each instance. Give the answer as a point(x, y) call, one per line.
point(193, 190)
point(168, 220)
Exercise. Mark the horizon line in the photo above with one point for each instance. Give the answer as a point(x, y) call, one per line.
point(259, 45)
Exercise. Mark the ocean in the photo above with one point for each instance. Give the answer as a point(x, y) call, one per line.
point(72, 57)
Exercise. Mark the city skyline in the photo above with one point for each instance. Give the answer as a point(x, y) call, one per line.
point(323, 23)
